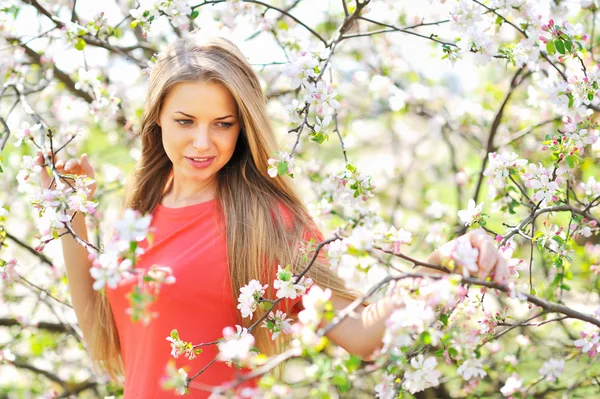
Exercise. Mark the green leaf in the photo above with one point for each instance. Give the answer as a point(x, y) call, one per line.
point(194, 14)
point(565, 287)
point(568, 46)
point(425, 338)
point(550, 48)
point(134, 23)
point(571, 160)
point(444, 318)
point(353, 363)
point(560, 47)
point(341, 381)
point(282, 168)
point(80, 45)
point(452, 352)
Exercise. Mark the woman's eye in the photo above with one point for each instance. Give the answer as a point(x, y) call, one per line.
point(225, 125)
point(183, 122)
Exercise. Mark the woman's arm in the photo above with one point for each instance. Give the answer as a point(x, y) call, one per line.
point(361, 336)
point(80, 280)
point(77, 264)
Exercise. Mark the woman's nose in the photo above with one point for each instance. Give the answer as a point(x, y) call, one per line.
point(200, 139)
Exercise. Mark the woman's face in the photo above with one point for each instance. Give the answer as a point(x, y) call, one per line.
point(200, 129)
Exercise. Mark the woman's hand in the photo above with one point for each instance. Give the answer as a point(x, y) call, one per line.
point(73, 166)
point(490, 261)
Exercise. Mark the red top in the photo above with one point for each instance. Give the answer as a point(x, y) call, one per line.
point(199, 304)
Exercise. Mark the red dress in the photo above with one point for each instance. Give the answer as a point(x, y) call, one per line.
point(199, 304)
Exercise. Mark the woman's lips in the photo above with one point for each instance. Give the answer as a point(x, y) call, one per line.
point(200, 164)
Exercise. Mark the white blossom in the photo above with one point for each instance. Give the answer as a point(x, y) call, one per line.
point(552, 369)
point(423, 375)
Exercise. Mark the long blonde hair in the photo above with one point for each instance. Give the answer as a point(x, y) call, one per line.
point(257, 237)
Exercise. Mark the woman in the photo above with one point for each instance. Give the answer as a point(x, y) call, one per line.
point(220, 222)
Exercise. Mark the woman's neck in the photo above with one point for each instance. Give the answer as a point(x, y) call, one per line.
point(179, 195)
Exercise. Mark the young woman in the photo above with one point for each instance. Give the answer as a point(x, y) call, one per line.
point(219, 219)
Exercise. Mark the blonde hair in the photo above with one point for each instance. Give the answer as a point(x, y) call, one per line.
point(257, 236)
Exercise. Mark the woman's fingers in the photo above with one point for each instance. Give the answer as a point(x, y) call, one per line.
point(44, 177)
point(72, 166)
point(485, 260)
point(87, 168)
point(501, 271)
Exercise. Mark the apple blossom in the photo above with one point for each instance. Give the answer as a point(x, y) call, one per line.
point(179, 347)
point(176, 379)
point(422, 375)
point(286, 285)
point(471, 368)
point(236, 345)
point(277, 323)
point(513, 385)
point(589, 342)
point(472, 214)
point(552, 369)
point(249, 297)
point(26, 132)
point(314, 303)
point(282, 164)
point(385, 389)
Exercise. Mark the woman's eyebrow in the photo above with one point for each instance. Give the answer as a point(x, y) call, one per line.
point(193, 117)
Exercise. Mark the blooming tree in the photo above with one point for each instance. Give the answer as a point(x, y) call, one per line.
point(504, 140)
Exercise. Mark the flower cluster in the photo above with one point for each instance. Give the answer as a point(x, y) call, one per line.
point(471, 369)
point(8, 270)
point(57, 205)
point(281, 165)
point(286, 285)
point(315, 304)
point(473, 214)
point(106, 103)
point(146, 292)
point(182, 348)
point(305, 67)
point(277, 323)
point(250, 296)
point(422, 375)
point(552, 369)
point(26, 132)
point(119, 257)
point(395, 240)
point(179, 12)
point(99, 27)
point(406, 323)
point(540, 180)
point(143, 18)
point(500, 166)
point(175, 379)
point(590, 341)
point(563, 39)
point(236, 346)
point(579, 132)
point(73, 33)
